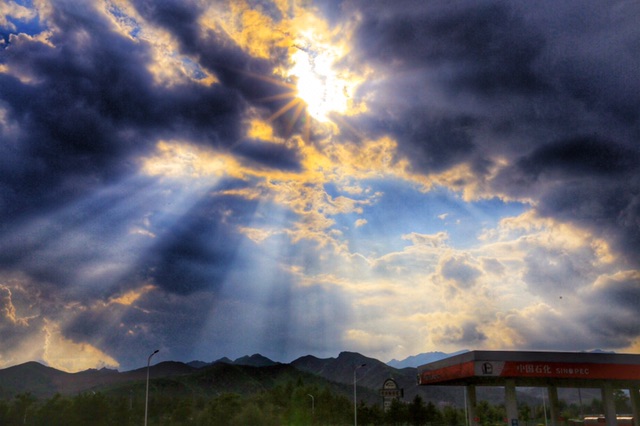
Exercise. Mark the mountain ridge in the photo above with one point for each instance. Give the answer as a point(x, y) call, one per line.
point(423, 358)
point(244, 375)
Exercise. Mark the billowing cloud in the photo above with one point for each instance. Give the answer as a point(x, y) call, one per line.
point(225, 178)
point(460, 271)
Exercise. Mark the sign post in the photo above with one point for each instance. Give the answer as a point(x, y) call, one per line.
point(389, 392)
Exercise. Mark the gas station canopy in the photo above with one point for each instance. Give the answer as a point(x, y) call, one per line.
point(552, 370)
point(562, 369)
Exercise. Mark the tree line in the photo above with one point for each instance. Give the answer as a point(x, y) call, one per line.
point(289, 404)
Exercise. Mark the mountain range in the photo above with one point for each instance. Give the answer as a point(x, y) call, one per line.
point(245, 375)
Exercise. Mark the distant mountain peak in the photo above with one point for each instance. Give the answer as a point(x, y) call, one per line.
point(421, 359)
point(255, 360)
point(600, 351)
point(354, 357)
point(198, 364)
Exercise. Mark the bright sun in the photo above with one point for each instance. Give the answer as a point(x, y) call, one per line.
point(320, 89)
point(319, 85)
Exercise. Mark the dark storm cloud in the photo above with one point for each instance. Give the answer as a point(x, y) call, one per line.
point(197, 251)
point(590, 181)
point(53, 247)
point(282, 319)
point(457, 54)
point(93, 104)
point(617, 327)
point(485, 47)
point(543, 103)
point(623, 292)
point(612, 328)
point(626, 294)
point(552, 272)
point(433, 142)
point(580, 157)
point(248, 77)
point(90, 109)
point(552, 90)
point(215, 51)
point(171, 323)
point(177, 16)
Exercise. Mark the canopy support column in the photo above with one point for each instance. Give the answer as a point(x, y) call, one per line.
point(609, 404)
point(634, 394)
point(510, 402)
point(471, 405)
point(554, 407)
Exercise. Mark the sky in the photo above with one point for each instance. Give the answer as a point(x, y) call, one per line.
point(293, 177)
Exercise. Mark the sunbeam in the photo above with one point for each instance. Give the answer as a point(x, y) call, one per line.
point(292, 177)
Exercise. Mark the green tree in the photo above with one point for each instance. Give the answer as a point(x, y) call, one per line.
point(490, 414)
point(333, 409)
point(417, 412)
point(571, 411)
point(222, 409)
point(451, 416)
point(397, 414)
point(4, 412)
point(524, 413)
point(252, 414)
point(23, 409)
point(596, 406)
point(121, 411)
point(90, 408)
point(56, 411)
point(434, 417)
point(370, 415)
point(621, 400)
point(300, 411)
point(182, 412)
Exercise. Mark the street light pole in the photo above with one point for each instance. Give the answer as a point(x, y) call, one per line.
point(544, 407)
point(355, 398)
point(146, 397)
point(313, 406)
